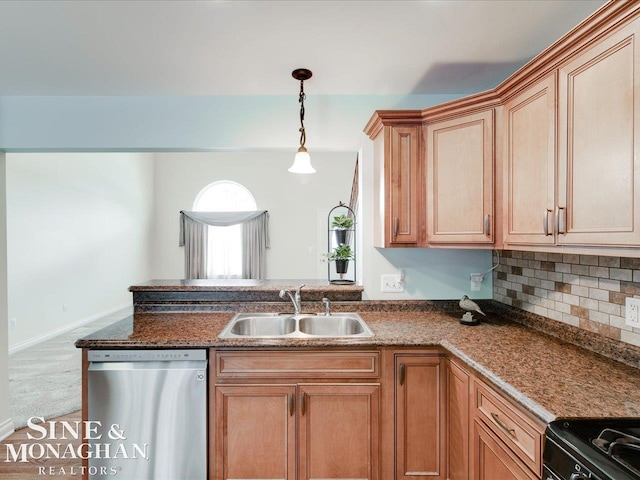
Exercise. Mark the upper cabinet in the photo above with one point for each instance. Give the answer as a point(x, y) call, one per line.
point(529, 164)
point(599, 133)
point(460, 159)
point(398, 172)
point(550, 158)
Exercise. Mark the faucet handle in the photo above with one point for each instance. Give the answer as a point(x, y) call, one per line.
point(299, 288)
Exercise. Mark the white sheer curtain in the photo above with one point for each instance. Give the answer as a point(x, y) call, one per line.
point(195, 232)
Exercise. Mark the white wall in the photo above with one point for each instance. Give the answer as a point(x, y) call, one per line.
point(79, 232)
point(297, 204)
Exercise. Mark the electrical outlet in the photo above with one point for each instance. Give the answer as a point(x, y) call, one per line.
point(14, 323)
point(392, 284)
point(632, 317)
point(476, 281)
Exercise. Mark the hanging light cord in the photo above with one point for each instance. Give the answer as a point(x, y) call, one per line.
point(303, 135)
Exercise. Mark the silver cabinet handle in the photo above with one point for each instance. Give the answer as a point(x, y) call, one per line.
point(501, 424)
point(547, 231)
point(562, 220)
point(396, 226)
point(487, 224)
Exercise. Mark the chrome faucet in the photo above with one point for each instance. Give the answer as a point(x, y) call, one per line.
point(327, 306)
point(295, 299)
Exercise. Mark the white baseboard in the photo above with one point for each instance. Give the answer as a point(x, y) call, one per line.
point(66, 328)
point(6, 429)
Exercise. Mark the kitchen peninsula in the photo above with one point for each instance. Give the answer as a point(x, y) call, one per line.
point(212, 291)
point(525, 377)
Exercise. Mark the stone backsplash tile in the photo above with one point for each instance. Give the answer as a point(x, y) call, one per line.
point(585, 291)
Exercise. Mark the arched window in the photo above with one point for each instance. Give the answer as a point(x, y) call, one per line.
point(224, 251)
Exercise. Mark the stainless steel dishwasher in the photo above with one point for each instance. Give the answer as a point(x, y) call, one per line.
point(151, 406)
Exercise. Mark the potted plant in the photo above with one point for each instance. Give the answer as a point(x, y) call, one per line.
point(340, 224)
point(341, 255)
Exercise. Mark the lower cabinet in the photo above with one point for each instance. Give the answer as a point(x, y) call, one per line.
point(419, 418)
point(339, 431)
point(458, 413)
point(336, 424)
point(390, 414)
point(492, 460)
point(255, 432)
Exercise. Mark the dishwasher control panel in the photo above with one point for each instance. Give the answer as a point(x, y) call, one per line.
point(145, 355)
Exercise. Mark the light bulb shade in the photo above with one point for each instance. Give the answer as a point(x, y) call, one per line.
point(302, 163)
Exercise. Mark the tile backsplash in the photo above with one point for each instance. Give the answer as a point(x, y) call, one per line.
point(586, 291)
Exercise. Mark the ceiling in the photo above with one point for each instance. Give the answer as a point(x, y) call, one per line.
point(239, 47)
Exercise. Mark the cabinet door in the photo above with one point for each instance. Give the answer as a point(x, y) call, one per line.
point(339, 431)
point(460, 169)
point(403, 186)
point(492, 460)
point(419, 418)
point(255, 432)
point(529, 196)
point(457, 423)
point(599, 165)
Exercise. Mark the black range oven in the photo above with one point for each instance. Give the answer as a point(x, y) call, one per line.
point(596, 449)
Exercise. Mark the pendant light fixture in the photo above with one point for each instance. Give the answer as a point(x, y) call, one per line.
point(302, 161)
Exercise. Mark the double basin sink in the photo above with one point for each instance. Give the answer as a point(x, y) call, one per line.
point(278, 325)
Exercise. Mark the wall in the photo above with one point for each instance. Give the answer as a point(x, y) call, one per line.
point(80, 225)
point(585, 291)
point(298, 204)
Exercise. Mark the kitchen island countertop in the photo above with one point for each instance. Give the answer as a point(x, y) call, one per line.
point(549, 377)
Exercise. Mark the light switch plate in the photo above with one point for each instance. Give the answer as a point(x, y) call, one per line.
point(392, 284)
point(632, 317)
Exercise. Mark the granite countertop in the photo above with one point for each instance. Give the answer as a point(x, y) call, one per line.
point(548, 376)
point(239, 285)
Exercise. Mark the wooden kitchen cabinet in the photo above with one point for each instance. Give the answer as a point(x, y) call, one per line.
point(460, 179)
point(599, 142)
point(504, 438)
point(295, 415)
point(492, 460)
point(256, 423)
point(399, 185)
point(339, 431)
point(530, 159)
point(458, 413)
point(420, 420)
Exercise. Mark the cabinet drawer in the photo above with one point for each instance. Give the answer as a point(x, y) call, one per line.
point(517, 431)
point(297, 364)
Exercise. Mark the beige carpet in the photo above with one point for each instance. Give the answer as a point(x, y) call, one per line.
point(45, 379)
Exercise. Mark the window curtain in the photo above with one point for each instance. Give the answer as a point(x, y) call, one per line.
point(194, 228)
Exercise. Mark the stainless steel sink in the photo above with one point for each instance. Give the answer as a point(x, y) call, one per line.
point(259, 326)
point(332, 326)
point(273, 325)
